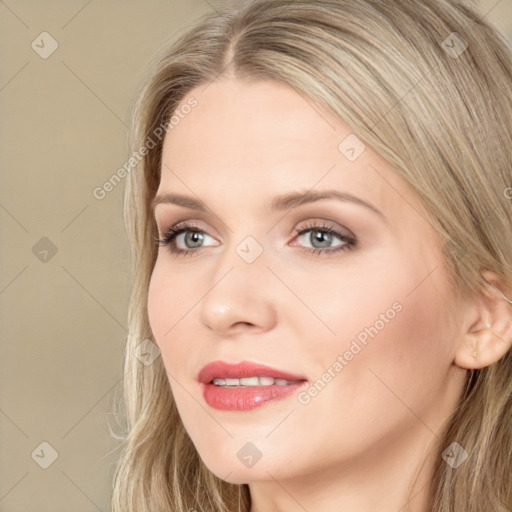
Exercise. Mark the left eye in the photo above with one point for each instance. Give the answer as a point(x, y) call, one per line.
point(321, 238)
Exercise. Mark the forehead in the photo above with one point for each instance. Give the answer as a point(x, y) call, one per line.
point(257, 122)
point(263, 138)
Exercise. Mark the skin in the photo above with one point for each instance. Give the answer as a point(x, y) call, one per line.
point(359, 443)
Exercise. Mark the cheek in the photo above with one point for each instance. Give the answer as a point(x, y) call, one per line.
point(164, 307)
point(169, 297)
point(387, 317)
point(388, 358)
point(171, 306)
point(157, 303)
point(390, 347)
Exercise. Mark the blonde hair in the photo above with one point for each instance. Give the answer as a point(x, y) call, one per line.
point(440, 113)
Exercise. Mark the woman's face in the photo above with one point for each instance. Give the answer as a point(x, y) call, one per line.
point(355, 304)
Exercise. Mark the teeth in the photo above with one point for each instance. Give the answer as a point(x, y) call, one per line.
point(249, 381)
point(254, 381)
point(266, 381)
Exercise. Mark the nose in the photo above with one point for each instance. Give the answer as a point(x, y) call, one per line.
point(239, 298)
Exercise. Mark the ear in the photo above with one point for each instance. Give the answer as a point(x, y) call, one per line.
point(489, 335)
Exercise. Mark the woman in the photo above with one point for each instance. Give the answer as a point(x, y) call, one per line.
point(328, 184)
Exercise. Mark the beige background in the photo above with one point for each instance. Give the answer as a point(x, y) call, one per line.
point(63, 123)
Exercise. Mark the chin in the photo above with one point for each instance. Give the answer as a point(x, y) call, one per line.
point(235, 472)
point(236, 475)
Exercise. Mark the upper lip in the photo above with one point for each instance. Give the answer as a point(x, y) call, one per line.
point(224, 370)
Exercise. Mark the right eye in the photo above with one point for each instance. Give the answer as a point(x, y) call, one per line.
point(183, 239)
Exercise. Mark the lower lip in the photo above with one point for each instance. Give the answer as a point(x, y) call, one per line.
point(245, 398)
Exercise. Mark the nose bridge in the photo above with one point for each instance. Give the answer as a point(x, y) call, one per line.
point(238, 292)
point(244, 260)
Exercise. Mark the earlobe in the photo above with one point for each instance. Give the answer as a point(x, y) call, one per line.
point(490, 337)
point(483, 348)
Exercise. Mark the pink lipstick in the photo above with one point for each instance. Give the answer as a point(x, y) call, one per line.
point(245, 385)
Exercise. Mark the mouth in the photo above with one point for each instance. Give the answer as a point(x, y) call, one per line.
point(245, 385)
point(253, 381)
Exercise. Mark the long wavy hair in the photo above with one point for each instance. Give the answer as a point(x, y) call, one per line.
point(428, 85)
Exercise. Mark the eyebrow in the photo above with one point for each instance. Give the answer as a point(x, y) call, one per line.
point(279, 203)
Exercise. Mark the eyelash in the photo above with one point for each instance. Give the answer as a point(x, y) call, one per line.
point(170, 235)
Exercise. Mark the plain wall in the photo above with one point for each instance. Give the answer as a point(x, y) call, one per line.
point(64, 257)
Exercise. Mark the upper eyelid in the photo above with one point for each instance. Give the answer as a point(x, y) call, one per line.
point(310, 225)
point(186, 224)
point(182, 227)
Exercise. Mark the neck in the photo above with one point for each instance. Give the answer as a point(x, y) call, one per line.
point(393, 478)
